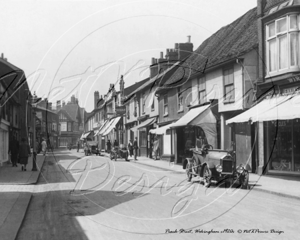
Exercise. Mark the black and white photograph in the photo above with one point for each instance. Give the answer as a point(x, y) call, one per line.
point(149, 119)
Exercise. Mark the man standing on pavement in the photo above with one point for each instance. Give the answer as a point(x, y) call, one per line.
point(135, 147)
point(44, 147)
point(14, 151)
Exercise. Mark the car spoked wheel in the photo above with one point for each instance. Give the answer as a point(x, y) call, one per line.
point(206, 176)
point(188, 170)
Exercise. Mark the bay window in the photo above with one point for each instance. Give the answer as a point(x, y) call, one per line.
point(282, 44)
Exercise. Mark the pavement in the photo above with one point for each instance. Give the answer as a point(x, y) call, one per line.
point(286, 186)
point(16, 187)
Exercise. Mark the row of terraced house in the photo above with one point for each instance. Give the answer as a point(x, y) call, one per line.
point(238, 89)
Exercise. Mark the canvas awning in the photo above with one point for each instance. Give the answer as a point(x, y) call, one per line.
point(85, 135)
point(275, 108)
point(111, 126)
point(162, 130)
point(144, 124)
point(201, 117)
point(100, 128)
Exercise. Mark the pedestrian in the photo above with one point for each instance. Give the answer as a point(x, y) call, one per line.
point(14, 151)
point(24, 153)
point(108, 144)
point(156, 147)
point(44, 147)
point(116, 144)
point(78, 145)
point(130, 148)
point(135, 147)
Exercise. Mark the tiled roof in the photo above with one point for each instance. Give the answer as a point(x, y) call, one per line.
point(72, 110)
point(133, 87)
point(226, 44)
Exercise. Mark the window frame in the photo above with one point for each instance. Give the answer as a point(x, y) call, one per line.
point(165, 97)
point(226, 85)
point(288, 32)
point(179, 99)
point(202, 90)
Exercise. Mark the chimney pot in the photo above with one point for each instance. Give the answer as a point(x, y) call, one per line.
point(161, 54)
point(176, 45)
point(153, 61)
point(2, 55)
point(189, 39)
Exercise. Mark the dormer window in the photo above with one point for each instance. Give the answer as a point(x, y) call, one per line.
point(282, 45)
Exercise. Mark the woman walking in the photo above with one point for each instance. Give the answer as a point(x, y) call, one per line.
point(24, 153)
point(130, 148)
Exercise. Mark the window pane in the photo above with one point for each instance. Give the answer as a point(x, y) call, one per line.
point(293, 22)
point(283, 56)
point(272, 29)
point(272, 55)
point(202, 97)
point(293, 48)
point(281, 25)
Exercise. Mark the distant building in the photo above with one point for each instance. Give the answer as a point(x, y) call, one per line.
point(71, 121)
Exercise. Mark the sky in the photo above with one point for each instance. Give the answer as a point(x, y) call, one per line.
point(68, 47)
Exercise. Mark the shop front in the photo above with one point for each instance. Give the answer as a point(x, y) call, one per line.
point(198, 124)
point(144, 137)
point(277, 119)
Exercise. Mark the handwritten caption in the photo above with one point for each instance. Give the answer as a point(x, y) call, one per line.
point(225, 231)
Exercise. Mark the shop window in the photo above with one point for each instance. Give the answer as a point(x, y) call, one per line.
point(202, 90)
point(228, 86)
point(179, 99)
point(165, 104)
point(284, 140)
point(143, 138)
point(135, 108)
point(282, 40)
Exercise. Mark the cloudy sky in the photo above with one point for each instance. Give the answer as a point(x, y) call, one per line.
point(77, 47)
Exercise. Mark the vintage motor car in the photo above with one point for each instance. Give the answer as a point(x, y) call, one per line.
point(216, 165)
point(119, 152)
point(92, 148)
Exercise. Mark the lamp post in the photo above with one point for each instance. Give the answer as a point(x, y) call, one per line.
point(33, 105)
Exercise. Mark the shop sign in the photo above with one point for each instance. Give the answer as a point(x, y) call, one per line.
point(290, 90)
point(120, 110)
point(281, 123)
point(295, 78)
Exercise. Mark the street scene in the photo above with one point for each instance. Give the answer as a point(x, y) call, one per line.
point(147, 119)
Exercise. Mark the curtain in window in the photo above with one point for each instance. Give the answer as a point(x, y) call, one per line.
point(272, 55)
point(283, 53)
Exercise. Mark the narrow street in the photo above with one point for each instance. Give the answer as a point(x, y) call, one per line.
point(93, 197)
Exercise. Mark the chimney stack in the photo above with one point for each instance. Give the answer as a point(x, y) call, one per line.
point(122, 84)
point(96, 98)
point(50, 105)
point(185, 49)
point(58, 106)
point(153, 68)
point(63, 103)
point(73, 99)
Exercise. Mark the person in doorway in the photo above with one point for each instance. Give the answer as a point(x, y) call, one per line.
point(24, 153)
point(156, 148)
point(130, 148)
point(116, 144)
point(14, 151)
point(108, 145)
point(44, 147)
point(135, 147)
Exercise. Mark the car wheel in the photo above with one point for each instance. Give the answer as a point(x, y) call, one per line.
point(244, 180)
point(206, 176)
point(188, 170)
